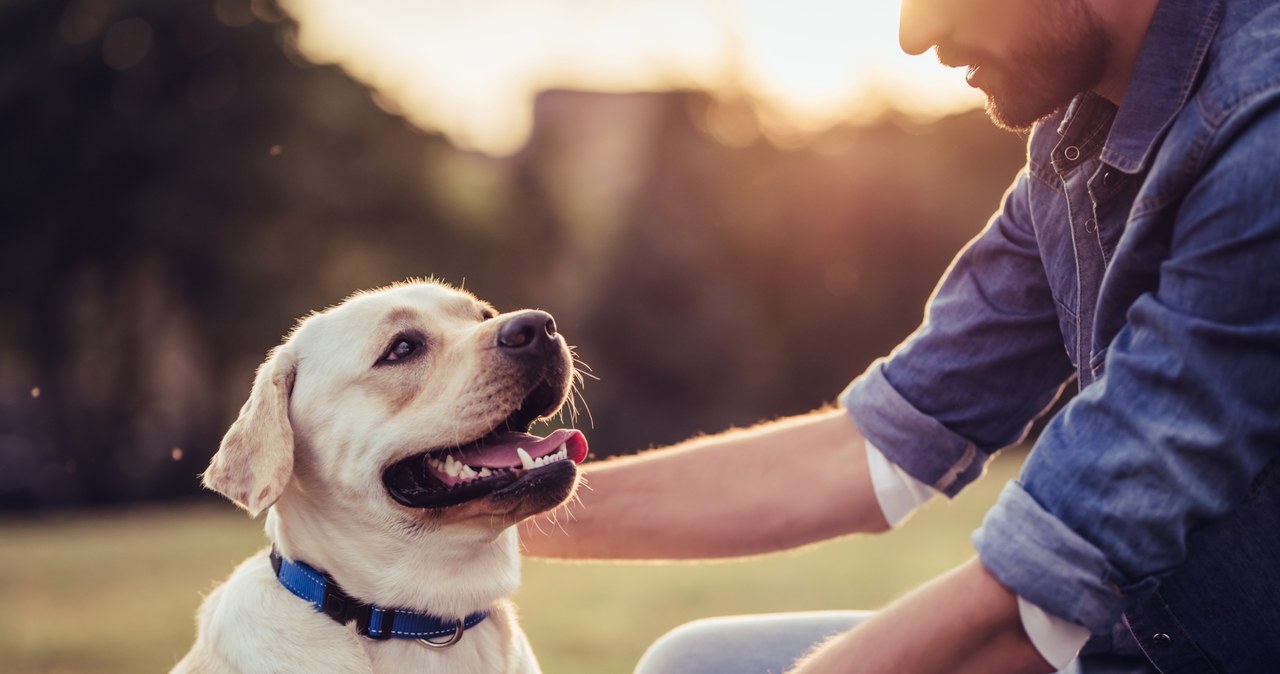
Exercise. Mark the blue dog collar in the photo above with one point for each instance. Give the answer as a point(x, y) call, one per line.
point(322, 592)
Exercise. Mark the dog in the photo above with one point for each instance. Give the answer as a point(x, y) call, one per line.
point(388, 440)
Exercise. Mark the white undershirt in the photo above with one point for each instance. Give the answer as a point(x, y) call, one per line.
point(900, 494)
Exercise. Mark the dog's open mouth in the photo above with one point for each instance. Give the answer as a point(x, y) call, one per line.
point(503, 461)
point(495, 464)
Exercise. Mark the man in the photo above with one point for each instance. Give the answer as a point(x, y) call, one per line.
point(1144, 236)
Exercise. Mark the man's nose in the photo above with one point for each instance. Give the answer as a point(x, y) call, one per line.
point(921, 25)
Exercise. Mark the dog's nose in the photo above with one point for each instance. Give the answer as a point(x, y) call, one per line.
point(527, 331)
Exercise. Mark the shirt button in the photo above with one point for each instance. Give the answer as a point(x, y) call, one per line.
point(1072, 153)
point(1106, 179)
point(1090, 225)
point(1161, 639)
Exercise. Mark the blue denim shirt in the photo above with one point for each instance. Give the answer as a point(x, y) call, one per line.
point(1144, 239)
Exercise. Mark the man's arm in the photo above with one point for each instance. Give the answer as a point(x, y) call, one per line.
point(776, 486)
point(963, 622)
point(1184, 420)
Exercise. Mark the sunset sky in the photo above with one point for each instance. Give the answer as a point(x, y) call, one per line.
point(472, 68)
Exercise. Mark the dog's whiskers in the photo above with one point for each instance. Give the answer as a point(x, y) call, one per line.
point(581, 368)
point(591, 420)
point(554, 518)
point(571, 409)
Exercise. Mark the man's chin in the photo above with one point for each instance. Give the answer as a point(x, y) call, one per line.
point(1020, 116)
point(1021, 95)
point(1010, 122)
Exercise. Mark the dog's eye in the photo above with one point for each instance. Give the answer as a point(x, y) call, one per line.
point(401, 348)
point(486, 314)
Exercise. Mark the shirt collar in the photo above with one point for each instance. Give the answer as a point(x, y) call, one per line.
point(1167, 68)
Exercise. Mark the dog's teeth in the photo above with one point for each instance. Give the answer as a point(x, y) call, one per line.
point(467, 472)
point(485, 472)
point(452, 466)
point(526, 461)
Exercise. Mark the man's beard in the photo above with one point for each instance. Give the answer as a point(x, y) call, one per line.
point(1060, 57)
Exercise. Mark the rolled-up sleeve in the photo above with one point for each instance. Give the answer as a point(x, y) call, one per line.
point(986, 361)
point(1185, 416)
point(1034, 553)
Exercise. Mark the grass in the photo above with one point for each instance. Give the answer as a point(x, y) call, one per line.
point(117, 593)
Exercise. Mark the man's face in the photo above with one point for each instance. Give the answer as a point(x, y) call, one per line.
point(1030, 57)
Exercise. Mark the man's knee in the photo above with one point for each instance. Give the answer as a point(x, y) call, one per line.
point(688, 648)
point(754, 644)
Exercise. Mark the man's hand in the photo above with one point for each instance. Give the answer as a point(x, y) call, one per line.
point(963, 622)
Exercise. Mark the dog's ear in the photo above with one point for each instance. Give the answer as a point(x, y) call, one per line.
point(255, 461)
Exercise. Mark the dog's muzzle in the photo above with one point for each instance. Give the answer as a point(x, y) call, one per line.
point(508, 461)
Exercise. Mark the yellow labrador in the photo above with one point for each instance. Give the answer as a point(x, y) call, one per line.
point(387, 438)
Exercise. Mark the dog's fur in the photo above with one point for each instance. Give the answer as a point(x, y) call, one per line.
point(325, 418)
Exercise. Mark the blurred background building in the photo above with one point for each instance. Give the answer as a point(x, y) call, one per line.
point(179, 181)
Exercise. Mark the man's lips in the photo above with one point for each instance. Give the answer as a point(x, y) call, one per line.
point(971, 60)
point(973, 76)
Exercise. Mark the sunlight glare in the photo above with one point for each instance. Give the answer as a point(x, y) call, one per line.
point(472, 69)
point(823, 62)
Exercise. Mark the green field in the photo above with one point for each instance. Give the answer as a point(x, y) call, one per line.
point(117, 592)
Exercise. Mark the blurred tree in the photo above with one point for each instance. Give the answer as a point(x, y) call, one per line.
point(178, 184)
point(734, 284)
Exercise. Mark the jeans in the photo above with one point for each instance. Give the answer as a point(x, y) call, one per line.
point(749, 644)
point(771, 644)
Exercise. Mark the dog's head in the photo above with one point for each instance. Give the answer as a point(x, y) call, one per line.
point(409, 401)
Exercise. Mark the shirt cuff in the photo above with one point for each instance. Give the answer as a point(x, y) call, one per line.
point(1039, 558)
point(1058, 641)
point(899, 495)
point(896, 491)
point(890, 421)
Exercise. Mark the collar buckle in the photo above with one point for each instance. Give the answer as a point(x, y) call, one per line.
point(458, 629)
point(338, 605)
point(343, 609)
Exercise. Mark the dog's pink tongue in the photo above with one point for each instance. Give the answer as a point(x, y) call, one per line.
point(501, 452)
